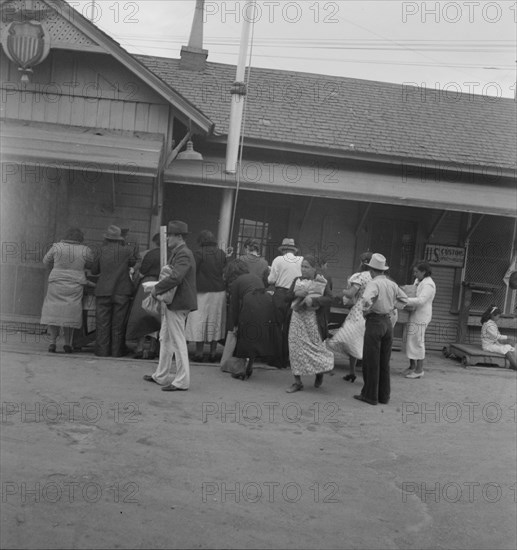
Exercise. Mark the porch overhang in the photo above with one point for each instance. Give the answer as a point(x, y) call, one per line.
point(494, 196)
point(84, 149)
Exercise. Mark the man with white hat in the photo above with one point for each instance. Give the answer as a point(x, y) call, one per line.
point(381, 296)
point(284, 270)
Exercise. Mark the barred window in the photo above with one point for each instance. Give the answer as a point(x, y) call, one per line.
point(490, 252)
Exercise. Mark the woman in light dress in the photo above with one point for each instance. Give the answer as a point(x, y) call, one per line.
point(492, 340)
point(63, 303)
point(350, 336)
point(421, 312)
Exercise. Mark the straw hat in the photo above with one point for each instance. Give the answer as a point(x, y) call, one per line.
point(378, 262)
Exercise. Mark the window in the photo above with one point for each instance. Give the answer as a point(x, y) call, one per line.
point(489, 256)
point(252, 229)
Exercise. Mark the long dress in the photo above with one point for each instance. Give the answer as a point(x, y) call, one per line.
point(308, 353)
point(420, 318)
point(350, 336)
point(63, 302)
point(490, 337)
point(208, 322)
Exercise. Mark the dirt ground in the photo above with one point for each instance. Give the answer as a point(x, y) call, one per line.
point(92, 456)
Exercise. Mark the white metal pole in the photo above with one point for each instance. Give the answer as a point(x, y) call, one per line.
point(239, 92)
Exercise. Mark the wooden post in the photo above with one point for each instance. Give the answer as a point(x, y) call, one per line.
point(463, 321)
point(163, 245)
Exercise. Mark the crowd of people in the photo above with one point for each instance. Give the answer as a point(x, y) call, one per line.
point(278, 313)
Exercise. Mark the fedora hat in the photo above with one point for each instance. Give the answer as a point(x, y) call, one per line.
point(177, 227)
point(378, 262)
point(288, 244)
point(114, 233)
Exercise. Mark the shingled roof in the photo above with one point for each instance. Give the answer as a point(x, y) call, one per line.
point(345, 116)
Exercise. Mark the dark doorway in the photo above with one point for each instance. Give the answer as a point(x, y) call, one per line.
point(395, 239)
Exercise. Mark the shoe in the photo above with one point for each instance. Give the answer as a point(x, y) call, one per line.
point(319, 380)
point(197, 358)
point(52, 348)
point(238, 375)
point(350, 378)
point(249, 369)
point(67, 349)
point(409, 370)
point(171, 387)
point(361, 398)
point(295, 387)
point(415, 375)
point(212, 358)
point(149, 378)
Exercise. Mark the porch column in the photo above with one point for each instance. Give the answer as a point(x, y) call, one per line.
point(225, 218)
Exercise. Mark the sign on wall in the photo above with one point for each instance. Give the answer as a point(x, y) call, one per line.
point(449, 256)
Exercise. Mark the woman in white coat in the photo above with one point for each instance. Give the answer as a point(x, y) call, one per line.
point(421, 312)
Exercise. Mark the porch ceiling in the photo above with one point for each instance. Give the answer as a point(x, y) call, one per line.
point(82, 149)
point(487, 197)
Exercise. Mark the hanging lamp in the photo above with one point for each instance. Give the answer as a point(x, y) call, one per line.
point(189, 153)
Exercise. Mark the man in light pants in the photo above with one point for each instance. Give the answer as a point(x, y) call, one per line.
point(172, 333)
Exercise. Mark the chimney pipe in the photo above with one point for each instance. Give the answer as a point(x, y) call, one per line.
point(193, 56)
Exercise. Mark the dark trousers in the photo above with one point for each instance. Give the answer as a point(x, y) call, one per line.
point(282, 316)
point(378, 339)
point(111, 318)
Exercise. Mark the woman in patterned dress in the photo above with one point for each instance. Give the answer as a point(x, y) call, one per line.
point(307, 331)
point(350, 337)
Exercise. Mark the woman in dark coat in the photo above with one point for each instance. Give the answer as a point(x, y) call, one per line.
point(251, 315)
point(208, 322)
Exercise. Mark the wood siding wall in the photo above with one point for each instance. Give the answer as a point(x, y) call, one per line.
point(80, 89)
point(37, 211)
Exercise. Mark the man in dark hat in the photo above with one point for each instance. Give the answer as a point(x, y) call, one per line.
point(113, 293)
point(380, 297)
point(172, 333)
point(284, 270)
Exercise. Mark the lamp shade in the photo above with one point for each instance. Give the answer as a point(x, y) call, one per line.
point(189, 153)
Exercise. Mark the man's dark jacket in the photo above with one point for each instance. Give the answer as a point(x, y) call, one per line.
point(183, 277)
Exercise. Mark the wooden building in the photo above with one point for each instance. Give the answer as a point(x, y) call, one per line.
point(341, 165)
point(84, 142)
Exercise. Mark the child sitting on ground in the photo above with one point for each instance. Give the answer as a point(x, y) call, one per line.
point(492, 339)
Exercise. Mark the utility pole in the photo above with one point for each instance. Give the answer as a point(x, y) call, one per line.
point(238, 93)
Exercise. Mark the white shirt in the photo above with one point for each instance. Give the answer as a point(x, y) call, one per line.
point(382, 295)
point(285, 269)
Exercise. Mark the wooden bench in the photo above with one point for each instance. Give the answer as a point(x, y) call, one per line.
point(474, 355)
